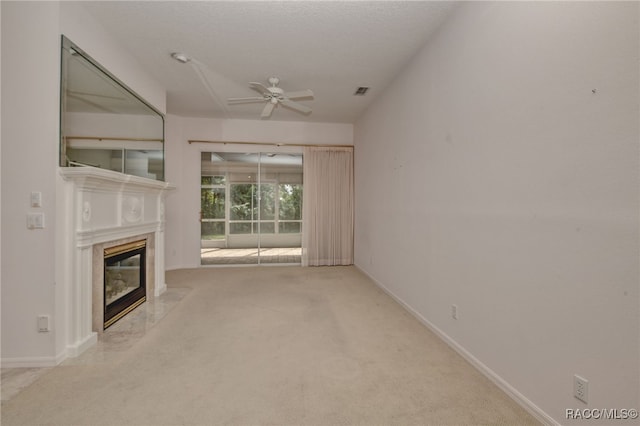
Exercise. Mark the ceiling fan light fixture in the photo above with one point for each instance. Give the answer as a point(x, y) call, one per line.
point(180, 57)
point(361, 91)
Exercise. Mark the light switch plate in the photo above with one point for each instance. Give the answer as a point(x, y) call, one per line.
point(36, 199)
point(35, 220)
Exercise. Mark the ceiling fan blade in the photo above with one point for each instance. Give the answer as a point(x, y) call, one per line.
point(296, 106)
point(268, 109)
point(243, 100)
point(298, 94)
point(259, 87)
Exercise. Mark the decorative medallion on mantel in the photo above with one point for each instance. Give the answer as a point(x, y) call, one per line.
point(132, 208)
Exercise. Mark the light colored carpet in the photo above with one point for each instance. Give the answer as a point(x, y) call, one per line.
point(273, 346)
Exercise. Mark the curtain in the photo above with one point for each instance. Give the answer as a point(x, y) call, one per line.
point(327, 206)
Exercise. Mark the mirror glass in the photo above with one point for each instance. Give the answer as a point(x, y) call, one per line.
point(105, 124)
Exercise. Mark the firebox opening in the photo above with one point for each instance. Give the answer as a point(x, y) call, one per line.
point(124, 280)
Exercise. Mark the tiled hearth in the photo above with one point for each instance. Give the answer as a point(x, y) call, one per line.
point(104, 209)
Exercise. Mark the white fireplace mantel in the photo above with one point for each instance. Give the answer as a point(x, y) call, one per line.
point(100, 207)
point(92, 177)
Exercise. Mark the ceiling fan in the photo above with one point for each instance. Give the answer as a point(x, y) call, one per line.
point(274, 96)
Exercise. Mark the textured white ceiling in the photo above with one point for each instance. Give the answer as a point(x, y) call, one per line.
point(329, 47)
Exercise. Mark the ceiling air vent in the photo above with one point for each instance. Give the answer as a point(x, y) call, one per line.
point(361, 91)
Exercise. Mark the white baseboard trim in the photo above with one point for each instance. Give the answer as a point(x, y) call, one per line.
point(178, 267)
point(33, 362)
point(512, 392)
point(79, 347)
point(160, 289)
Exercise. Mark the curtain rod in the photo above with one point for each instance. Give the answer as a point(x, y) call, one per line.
point(108, 138)
point(271, 144)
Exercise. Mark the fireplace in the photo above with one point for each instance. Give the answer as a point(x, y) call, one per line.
point(124, 280)
point(102, 210)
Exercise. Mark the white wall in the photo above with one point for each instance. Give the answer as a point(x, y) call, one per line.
point(80, 27)
point(490, 176)
point(35, 271)
point(30, 81)
point(182, 167)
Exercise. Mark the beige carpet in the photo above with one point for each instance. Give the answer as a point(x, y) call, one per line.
point(273, 346)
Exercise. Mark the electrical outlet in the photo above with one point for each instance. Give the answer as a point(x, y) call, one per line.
point(43, 323)
point(454, 312)
point(581, 388)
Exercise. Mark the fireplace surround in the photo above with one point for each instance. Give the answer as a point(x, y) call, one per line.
point(103, 209)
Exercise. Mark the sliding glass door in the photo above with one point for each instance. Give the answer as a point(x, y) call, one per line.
point(251, 208)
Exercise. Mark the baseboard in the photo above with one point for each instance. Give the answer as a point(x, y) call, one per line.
point(70, 351)
point(181, 266)
point(79, 347)
point(33, 362)
point(512, 392)
point(160, 289)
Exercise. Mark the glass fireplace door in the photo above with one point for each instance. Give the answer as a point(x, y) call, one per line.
point(124, 280)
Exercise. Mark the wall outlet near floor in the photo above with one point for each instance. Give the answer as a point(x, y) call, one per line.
point(454, 312)
point(43, 324)
point(581, 388)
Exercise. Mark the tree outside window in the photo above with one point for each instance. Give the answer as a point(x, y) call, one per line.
point(290, 208)
point(212, 202)
point(279, 208)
